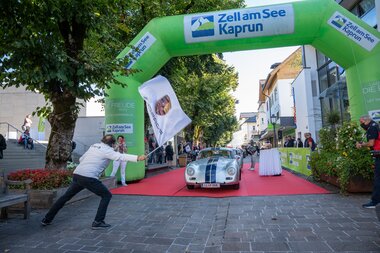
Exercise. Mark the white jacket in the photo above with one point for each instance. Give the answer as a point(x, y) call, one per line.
point(97, 158)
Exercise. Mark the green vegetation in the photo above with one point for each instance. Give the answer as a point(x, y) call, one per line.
point(339, 157)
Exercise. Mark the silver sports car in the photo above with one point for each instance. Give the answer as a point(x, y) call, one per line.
point(214, 168)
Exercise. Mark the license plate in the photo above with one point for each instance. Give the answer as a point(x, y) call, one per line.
point(210, 185)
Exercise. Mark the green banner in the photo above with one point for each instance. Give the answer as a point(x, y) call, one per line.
point(296, 159)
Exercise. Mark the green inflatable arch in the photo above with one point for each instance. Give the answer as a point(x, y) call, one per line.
point(321, 23)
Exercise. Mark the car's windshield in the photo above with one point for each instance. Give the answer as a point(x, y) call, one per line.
point(215, 153)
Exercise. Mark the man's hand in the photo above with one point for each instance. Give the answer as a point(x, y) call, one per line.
point(141, 158)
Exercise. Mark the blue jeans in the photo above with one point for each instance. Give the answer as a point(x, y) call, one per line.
point(28, 143)
point(376, 182)
point(79, 183)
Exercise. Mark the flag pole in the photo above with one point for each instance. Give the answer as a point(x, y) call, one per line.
point(153, 150)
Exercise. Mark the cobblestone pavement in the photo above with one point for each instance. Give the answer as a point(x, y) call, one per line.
point(303, 223)
point(293, 223)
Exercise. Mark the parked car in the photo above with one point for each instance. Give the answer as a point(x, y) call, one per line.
point(214, 167)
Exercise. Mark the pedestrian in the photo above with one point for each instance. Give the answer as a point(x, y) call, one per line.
point(373, 142)
point(286, 142)
point(86, 175)
point(3, 145)
point(290, 142)
point(169, 152)
point(27, 140)
point(27, 122)
point(120, 147)
point(299, 143)
point(309, 142)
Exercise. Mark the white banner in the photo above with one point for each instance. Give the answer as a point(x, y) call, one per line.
point(242, 23)
point(165, 113)
point(353, 31)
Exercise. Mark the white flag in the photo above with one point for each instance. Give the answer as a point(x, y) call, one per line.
point(165, 112)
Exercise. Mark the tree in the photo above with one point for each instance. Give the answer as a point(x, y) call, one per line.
point(206, 98)
point(64, 50)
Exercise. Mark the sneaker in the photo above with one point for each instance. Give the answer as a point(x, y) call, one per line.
point(45, 222)
point(100, 225)
point(370, 204)
point(124, 184)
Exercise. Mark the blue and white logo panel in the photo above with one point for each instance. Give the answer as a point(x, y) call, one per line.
point(236, 24)
point(202, 26)
point(355, 32)
point(142, 47)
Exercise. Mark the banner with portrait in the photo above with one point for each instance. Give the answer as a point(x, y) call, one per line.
point(166, 115)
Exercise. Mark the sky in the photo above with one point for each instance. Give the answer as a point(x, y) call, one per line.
point(252, 66)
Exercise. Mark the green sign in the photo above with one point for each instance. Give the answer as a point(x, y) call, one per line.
point(296, 159)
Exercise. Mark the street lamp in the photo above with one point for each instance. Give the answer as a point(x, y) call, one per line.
point(273, 120)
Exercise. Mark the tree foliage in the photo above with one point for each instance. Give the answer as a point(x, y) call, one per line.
point(64, 50)
point(206, 98)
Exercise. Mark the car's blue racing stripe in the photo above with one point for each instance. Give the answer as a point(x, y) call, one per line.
point(210, 172)
point(213, 170)
point(207, 171)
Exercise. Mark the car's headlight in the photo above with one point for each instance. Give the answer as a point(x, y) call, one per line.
point(190, 171)
point(231, 171)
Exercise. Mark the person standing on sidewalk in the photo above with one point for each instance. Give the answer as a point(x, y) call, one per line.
point(169, 152)
point(373, 142)
point(121, 148)
point(86, 176)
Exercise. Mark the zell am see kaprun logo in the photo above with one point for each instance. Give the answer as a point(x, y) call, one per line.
point(236, 24)
point(353, 31)
point(202, 26)
point(339, 21)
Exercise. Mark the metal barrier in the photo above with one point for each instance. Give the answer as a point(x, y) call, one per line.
point(8, 128)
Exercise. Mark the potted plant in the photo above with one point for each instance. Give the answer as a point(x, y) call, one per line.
point(49, 185)
point(339, 162)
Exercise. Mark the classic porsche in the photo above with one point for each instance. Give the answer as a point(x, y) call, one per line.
point(214, 167)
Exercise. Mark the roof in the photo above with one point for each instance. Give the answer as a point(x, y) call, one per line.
point(246, 115)
point(251, 120)
point(288, 69)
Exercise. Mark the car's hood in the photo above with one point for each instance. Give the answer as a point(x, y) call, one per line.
point(219, 162)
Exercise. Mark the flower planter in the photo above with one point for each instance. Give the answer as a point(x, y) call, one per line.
point(356, 184)
point(45, 198)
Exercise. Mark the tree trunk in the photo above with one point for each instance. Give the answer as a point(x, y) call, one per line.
point(62, 120)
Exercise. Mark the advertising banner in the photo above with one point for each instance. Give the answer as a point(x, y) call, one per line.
point(236, 24)
point(123, 115)
point(296, 159)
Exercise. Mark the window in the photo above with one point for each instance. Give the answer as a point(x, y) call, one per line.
point(332, 76)
point(321, 59)
point(323, 82)
point(363, 7)
point(275, 94)
point(314, 88)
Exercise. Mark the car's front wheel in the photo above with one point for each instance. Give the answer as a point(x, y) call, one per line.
point(236, 186)
point(190, 187)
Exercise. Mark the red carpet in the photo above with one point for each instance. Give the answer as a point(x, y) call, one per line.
point(173, 184)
